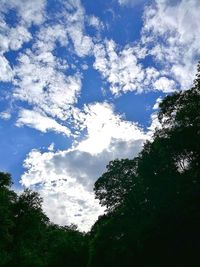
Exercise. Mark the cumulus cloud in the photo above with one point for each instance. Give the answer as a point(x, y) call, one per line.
point(28, 11)
point(102, 124)
point(54, 176)
point(165, 85)
point(169, 36)
point(75, 21)
point(66, 178)
point(124, 72)
point(12, 38)
point(156, 105)
point(40, 77)
point(176, 24)
point(41, 84)
point(155, 124)
point(121, 69)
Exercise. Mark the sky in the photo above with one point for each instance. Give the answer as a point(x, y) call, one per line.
point(80, 84)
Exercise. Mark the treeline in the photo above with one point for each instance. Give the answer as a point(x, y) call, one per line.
point(153, 205)
point(28, 239)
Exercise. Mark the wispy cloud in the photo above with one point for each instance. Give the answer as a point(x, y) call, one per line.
point(6, 72)
point(131, 3)
point(40, 122)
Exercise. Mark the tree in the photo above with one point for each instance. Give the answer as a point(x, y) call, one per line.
point(7, 201)
point(113, 186)
point(153, 200)
point(66, 247)
point(30, 231)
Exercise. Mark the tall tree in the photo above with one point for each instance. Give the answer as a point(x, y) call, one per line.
point(7, 201)
point(153, 212)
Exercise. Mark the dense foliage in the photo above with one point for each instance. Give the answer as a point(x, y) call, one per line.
point(28, 239)
point(152, 201)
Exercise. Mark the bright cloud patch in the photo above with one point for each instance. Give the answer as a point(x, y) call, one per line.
point(124, 72)
point(103, 125)
point(165, 85)
point(122, 69)
point(41, 84)
point(66, 178)
point(6, 73)
point(40, 122)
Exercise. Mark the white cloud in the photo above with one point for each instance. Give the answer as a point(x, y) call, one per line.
point(165, 85)
point(65, 179)
point(6, 73)
point(42, 85)
point(28, 11)
point(40, 76)
point(176, 25)
point(131, 3)
point(170, 36)
point(5, 115)
point(156, 105)
point(155, 124)
point(40, 122)
point(121, 69)
point(102, 124)
point(51, 147)
point(50, 35)
point(95, 22)
point(75, 20)
point(12, 38)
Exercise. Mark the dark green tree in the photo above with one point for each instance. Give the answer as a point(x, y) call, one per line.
point(113, 186)
point(66, 247)
point(30, 231)
point(7, 201)
point(153, 200)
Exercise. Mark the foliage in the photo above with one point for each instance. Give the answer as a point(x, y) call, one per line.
point(153, 201)
point(28, 239)
point(112, 187)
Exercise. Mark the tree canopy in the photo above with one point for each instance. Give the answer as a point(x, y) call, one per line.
point(153, 200)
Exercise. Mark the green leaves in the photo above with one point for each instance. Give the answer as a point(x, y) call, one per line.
point(27, 239)
point(153, 200)
point(113, 186)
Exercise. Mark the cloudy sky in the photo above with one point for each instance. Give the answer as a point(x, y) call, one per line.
point(80, 83)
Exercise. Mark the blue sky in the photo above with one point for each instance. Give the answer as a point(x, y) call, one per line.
point(80, 83)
